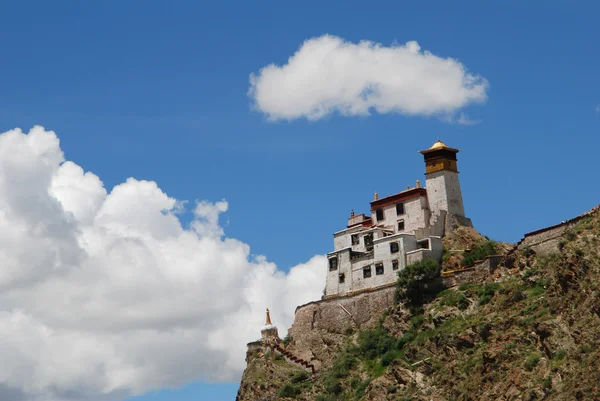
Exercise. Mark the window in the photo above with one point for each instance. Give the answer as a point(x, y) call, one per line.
point(379, 269)
point(400, 225)
point(355, 239)
point(395, 264)
point(394, 248)
point(379, 214)
point(333, 263)
point(367, 272)
point(424, 244)
point(399, 208)
point(342, 278)
point(369, 241)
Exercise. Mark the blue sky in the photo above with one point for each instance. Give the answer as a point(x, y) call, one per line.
point(158, 91)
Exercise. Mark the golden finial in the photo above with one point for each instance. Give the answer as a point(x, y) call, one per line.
point(268, 322)
point(352, 213)
point(418, 184)
point(376, 196)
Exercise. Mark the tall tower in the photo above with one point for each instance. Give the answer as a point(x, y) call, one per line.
point(443, 187)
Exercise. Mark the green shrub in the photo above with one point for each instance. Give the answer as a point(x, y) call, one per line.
point(560, 355)
point(532, 361)
point(416, 322)
point(424, 336)
point(299, 377)
point(463, 302)
point(287, 339)
point(536, 291)
point(405, 339)
point(484, 330)
point(454, 298)
point(412, 279)
point(489, 289)
point(289, 391)
point(388, 357)
point(332, 386)
point(479, 252)
point(342, 365)
point(516, 296)
point(375, 343)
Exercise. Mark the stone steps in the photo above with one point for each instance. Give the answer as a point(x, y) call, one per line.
point(294, 359)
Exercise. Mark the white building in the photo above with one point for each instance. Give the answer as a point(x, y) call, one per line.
point(402, 229)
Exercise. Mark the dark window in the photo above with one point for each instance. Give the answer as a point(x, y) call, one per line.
point(423, 244)
point(333, 263)
point(394, 248)
point(379, 269)
point(369, 241)
point(379, 214)
point(342, 278)
point(395, 264)
point(355, 239)
point(399, 208)
point(367, 272)
point(400, 225)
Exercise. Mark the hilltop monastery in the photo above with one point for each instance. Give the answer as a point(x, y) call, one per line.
point(402, 228)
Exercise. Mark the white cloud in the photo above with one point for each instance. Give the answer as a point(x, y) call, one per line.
point(463, 119)
point(598, 108)
point(105, 295)
point(328, 74)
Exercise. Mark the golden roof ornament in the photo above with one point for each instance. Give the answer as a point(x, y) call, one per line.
point(439, 145)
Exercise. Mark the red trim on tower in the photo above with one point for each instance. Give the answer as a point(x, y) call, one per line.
point(404, 195)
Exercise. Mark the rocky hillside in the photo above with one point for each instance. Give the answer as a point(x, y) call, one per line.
point(528, 331)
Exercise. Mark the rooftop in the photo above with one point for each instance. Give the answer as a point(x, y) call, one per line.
point(439, 145)
point(406, 194)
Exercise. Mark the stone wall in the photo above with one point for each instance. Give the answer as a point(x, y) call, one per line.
point(482, 271)
point(545, 241)
point(336, 316)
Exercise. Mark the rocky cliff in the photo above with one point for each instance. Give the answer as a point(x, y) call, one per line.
point(526, 327)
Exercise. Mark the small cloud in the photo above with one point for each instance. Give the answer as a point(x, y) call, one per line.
point(463, 119)
point(598, 108)
point(329, 75)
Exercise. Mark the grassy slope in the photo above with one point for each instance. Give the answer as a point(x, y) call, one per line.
point(534, 335)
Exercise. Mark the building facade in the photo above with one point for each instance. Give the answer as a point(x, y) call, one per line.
point(402, 228)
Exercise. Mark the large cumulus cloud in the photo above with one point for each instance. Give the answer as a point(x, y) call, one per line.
point(328, 74)
point(105, 295)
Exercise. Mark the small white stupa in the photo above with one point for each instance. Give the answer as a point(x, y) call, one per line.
point(269, 333)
